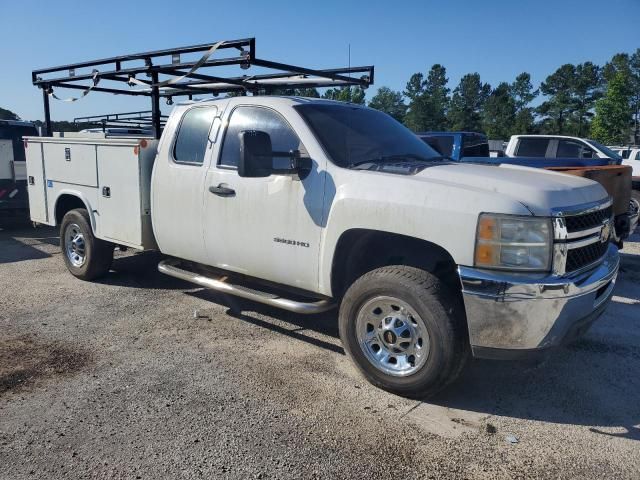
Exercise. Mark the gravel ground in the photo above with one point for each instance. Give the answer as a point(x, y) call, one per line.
point(121, 379)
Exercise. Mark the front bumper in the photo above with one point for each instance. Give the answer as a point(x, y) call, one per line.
point(512, 315)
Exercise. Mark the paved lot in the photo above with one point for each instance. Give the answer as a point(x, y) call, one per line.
point(119, 379)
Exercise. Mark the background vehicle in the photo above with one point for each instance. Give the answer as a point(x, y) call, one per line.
point(559, 146)
point(309, 204)
point(473, 146)
point(583, 157)
point(14, 202)
point(631, 157)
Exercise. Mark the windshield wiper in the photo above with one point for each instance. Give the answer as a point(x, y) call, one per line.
point(395, 158)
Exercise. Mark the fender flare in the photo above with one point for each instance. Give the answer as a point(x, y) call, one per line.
point(80, 196)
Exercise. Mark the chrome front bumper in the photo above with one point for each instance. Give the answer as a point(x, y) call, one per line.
point(516, 314)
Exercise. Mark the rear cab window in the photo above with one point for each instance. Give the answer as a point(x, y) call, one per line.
point(443, 144)
point(475, 146)
point(532, 147)
point(193, 135)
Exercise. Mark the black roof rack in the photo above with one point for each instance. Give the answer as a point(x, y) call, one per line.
point(169, 73)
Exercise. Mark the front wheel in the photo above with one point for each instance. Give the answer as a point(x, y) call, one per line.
point(86, 256)
point(404, 330)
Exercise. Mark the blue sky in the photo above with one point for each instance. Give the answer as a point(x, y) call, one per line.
point(497, 38)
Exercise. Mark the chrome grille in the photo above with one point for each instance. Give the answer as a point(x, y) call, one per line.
point(578, 258)
point(576, 223)
point(579, 237)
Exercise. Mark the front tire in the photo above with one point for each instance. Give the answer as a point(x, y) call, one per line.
point(86, 256)
point(404, 330)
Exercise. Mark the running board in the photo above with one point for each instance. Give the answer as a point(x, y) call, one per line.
point(169, 267)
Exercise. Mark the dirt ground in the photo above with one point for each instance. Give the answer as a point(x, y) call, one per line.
point(143, 376)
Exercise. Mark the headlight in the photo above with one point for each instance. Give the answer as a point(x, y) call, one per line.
point(513, 242)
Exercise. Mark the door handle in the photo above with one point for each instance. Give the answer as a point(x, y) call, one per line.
point(222, 191)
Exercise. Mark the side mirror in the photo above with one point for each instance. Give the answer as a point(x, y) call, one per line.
point(256, 154)
point(257, 158)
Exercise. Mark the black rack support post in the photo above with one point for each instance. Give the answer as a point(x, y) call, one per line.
point(47, 113)
point(155, 106)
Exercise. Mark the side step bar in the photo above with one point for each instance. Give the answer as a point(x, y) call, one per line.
point(170, 267)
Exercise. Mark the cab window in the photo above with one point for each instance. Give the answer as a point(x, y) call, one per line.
point(283, 138)
point(532, 147)
point(193, 135)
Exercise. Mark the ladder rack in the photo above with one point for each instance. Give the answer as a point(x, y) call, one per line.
point(187, 71)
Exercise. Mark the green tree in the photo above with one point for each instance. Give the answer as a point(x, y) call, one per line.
point(467, 103)
point(437, 97)
point(523, 94)
point(586, 90)
point(557, 108)
point(634, 65)
point(613, 110)
point(388, 101)
point(428, 100)
point(8, 115)
point(346, 94)
point(415, 117)
point(499, 113)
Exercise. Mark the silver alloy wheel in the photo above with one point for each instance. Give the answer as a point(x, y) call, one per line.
point(392, 336)
point(74, 245)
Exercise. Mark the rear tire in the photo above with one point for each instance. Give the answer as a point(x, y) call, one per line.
point(86, 256)
point(405, 330)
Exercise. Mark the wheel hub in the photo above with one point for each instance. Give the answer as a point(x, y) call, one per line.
point(75, 246)
point(392, 336)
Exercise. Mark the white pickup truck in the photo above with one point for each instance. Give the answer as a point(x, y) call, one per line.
point(307, 204)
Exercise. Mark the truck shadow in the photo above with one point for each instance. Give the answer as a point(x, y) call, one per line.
point(299, 327)
point(20, 243)
point(140, 270)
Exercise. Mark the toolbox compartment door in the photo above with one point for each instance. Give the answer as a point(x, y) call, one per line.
point(71, 163)
point(36, 183)
point(119, 217)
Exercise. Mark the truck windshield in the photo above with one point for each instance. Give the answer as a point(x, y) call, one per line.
point(353, 135)
point(607, 151)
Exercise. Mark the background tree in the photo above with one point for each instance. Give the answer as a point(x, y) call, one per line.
point(499, 113)
point(436, 96)
point(388, 101)
point(467, 103)
point(522, 94)
point(416, 117)
point(614, 110)
point(586, 90)
point(8, 115)
point(428, 100)
point(558, 88)
point(345, 94)
point(634, 65)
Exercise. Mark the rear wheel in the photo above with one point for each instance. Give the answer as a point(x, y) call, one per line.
point(404, 330)
point(86, 256)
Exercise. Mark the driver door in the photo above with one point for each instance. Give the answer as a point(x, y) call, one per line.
point(267, 227)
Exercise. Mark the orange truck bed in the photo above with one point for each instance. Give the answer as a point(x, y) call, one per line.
point(616, 179)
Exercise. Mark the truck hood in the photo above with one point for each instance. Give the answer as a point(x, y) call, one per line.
point(540, 191)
